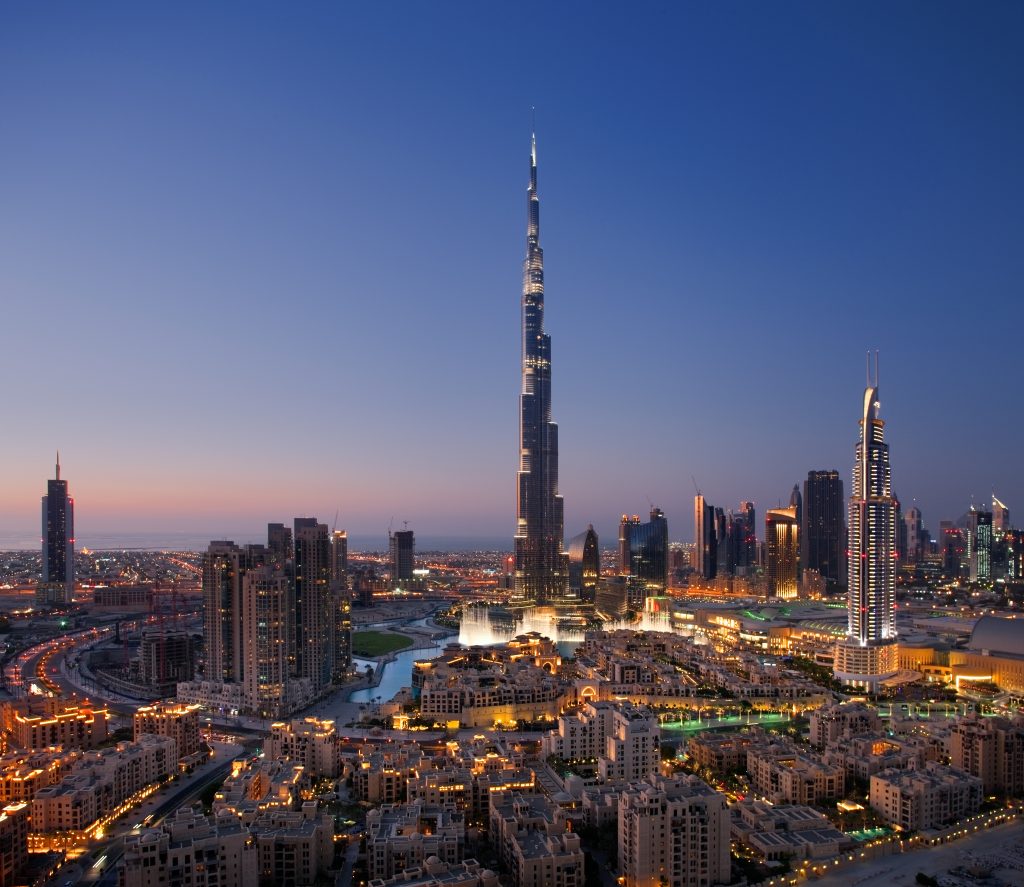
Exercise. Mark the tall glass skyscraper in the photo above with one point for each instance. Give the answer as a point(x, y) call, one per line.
point(643, 551)
point(869, 654)
point(540, 573)
point(821, 531)
point(58, 536)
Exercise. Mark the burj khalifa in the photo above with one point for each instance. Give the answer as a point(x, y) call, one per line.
point(540, 573)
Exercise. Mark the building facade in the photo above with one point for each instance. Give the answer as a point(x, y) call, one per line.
point(58, 535)
point(673, 833)
point(869, 653)
point(782, 552)
point(584, 566)
point(822, 541)
point(643, 550)
point(539, 571)
point(402, 547)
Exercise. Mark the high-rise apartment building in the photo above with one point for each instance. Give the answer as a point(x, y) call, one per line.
point(279, 543)
point(991, 749)
point(269, 624)
point(748, 560)
point(953, 548)
point(339, 557)
point(224, 631)
point(539, 571)
point(584, 565)
point(869, 653)
point(314, 609)
point(58, 534)
point(782, 551)
point(979, 544)
point(342, 603)
point(796, 502)
point(643, 550)
point(265, 618)
point(704, 539)
point(402, 547)
point(822, 542)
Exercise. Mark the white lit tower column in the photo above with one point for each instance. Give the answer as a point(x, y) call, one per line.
point(869, 653)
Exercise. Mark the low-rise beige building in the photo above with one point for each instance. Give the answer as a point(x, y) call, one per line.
point(191, 850)
point(179, 722)
point(925, 799)
point(673, 833)
point(402, 836)
point(534, 843)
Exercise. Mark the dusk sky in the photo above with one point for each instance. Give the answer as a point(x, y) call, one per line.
point(265, 260)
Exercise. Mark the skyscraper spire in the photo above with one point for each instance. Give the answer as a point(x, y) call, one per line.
point(539, 573)
point(58, 464)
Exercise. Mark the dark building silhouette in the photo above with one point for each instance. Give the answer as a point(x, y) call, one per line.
point(279, 543)
point(539, 562)
point(342, 603)
point(822, 527)
point(584, 565)
point(58, 536)
point(736, 540)
point(624, 532)
point(952, 548)
point(402, 547)
point(644, 550)
point(314, 605)
point(705, 541)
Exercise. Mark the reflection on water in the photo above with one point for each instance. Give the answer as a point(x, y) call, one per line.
point(483, 626)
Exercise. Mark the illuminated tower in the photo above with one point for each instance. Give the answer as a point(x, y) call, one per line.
point(782, 546)
point(868, 654)
point(58, 538)
point(1000, 518)
point(539, 565)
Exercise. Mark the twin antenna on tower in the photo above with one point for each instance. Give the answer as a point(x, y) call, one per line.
point(867, 369)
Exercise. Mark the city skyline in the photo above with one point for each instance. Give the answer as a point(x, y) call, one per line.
point(172, 244)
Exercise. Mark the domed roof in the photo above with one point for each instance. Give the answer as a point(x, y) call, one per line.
point(998, 635)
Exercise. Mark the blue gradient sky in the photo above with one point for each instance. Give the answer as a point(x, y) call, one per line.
point(265, 260)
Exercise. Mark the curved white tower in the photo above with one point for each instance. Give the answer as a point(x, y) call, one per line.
point(869, 653)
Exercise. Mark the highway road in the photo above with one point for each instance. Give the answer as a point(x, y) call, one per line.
point(104, 874)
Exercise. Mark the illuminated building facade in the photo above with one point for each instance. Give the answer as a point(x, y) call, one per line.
point(979, 545)
point(782, 547)
point(1000, 518)
point(180, 722)
point(58, 535)
point(539, 570)
point(869, 653)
